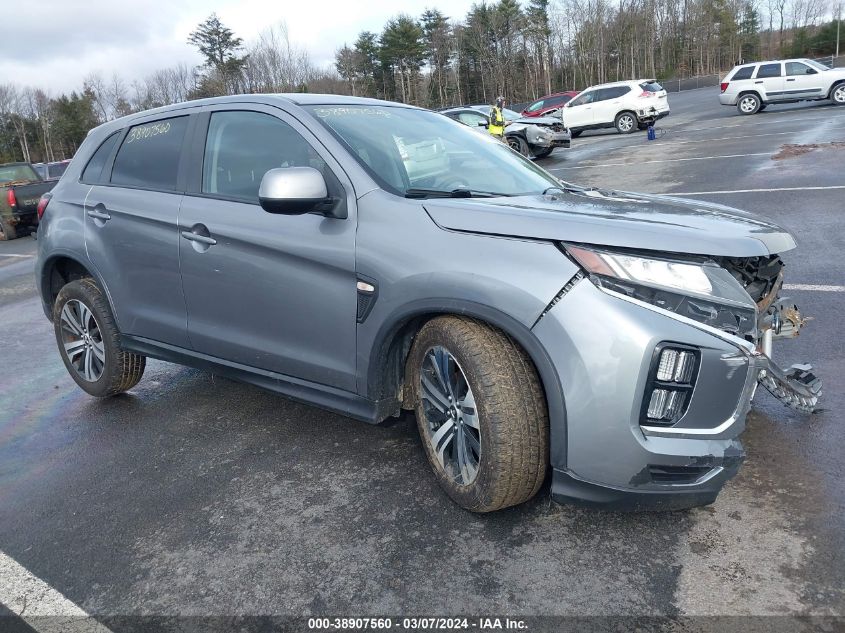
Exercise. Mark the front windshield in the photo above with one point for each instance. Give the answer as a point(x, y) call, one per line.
point(816, 65)
point(408, 149)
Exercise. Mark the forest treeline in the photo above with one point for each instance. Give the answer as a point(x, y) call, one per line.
point(520, 50)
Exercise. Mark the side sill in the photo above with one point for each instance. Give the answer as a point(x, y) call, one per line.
point(311, 393)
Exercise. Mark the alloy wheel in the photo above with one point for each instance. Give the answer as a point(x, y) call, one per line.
point(839, 94)
point(82, 341)
point(626, 123)
point(748, 104)
point(451, 417)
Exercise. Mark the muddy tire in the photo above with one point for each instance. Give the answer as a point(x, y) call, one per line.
point(7, 231)
point(477, 394)
point(89, 342)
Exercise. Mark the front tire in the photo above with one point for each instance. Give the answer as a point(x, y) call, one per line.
point(519, 145)
point(7, 230)
point(543, 152)
point(625, 122)
point(481, 413)
point(89, 342)
point(837, 95)
point(748, 104)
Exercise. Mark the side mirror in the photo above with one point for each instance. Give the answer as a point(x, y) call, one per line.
point(483, 124)
point(294, 191)
point(811, 71)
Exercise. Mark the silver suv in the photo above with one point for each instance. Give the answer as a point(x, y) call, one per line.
point(752, 87)
point(369, 257)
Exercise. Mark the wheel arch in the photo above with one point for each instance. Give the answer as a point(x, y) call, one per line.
point(386, 372)
point(62, 268)
point(834, 86)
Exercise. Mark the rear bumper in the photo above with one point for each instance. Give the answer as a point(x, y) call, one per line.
point(727, 99)
point(24, 217)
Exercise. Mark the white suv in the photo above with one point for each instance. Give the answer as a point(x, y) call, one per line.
point(625, 105)
point(751, 87)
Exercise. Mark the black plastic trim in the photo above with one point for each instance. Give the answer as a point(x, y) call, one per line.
point(329, 398)
point(567, 488)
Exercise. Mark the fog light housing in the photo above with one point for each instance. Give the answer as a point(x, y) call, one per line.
point(670, 384)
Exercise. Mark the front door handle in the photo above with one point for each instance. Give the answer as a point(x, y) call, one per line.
point(202, 239)
point(758, 82)
point(791, 79)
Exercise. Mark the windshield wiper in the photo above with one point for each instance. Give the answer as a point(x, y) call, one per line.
point(454, 193)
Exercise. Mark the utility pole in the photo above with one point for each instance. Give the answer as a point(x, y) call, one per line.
point(838, 24)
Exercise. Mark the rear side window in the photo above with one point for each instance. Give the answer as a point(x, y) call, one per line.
point(242, 146)
point(743, 73)
point(93, 172)
point(149, 156)
point(768, 70)
point(651, 86)
point(612, 93)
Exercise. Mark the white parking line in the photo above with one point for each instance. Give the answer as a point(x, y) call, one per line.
point(726, 191)
point(814, 287)
point(765, 121)
point(15, 255)
point(723, 138)
point(668, 160)
point(39, 605)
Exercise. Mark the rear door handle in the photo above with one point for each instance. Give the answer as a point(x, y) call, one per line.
point(202, 239)
point(790, 79)
point(98, 215)
point(758, 82)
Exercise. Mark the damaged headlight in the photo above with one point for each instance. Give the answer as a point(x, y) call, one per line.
point(697, 289)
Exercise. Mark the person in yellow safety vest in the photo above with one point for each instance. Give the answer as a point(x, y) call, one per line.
point(497, 119)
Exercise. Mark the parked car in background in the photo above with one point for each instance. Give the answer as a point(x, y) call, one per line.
point(548, 105)
point(752, 87)
point(51, 171)
point(292, 241)
point(625, 105)
point(532, 137)
point(21, 189)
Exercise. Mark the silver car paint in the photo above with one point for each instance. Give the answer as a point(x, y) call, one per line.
point(277, 293)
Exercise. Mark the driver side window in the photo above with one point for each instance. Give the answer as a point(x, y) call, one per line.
point(797, 68)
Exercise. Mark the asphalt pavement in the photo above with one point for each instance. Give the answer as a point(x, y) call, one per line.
point(194, 495)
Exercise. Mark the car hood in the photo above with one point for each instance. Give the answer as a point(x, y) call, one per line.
point(537, 120)
point(619, 219)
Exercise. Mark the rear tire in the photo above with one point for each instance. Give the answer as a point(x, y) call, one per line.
point(625, 122)
point(519, 145)
point(89, 341)
point(748, 104)
point(475, 390)
point(7, 230)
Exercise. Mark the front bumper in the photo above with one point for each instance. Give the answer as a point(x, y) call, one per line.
point(602, 347)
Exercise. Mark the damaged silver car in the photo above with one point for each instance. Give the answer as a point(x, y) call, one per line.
point(369, 257)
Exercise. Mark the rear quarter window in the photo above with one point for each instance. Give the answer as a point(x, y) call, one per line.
point(149, 155)
point(744, 72)
point(651, 86)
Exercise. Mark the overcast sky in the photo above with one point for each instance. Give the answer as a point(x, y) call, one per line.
point(54, 44)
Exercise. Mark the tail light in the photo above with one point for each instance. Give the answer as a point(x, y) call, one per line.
point(723, 85)
point(646, 93)
point(42, 204)
point(11, 199)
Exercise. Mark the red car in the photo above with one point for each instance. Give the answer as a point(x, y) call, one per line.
point(549, 104)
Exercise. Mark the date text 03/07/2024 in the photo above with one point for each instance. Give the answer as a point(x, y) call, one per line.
point(417, 624)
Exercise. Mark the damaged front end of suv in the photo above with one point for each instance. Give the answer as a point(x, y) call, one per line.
point(660, 336)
